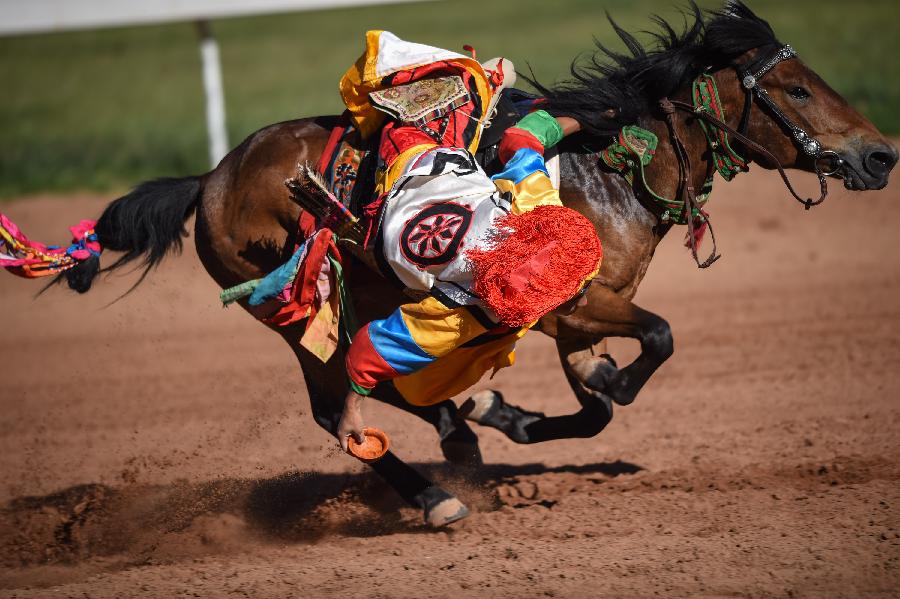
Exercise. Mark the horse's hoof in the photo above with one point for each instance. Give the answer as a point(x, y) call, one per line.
point(446, 512)
point(610, 359)
point(622, 401)
point(596, 373)
point(487, 408)
point(481, 406)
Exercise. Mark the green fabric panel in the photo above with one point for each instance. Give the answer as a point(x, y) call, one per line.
point(361, 390)
point(543, 126)
point(348, 314)
point(233, 294)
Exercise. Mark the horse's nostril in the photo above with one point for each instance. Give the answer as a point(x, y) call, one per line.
point(880, 162)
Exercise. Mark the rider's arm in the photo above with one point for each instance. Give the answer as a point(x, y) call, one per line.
point(412, 337)
point(522, 150)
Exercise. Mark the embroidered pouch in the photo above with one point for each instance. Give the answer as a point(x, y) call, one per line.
point(421, 101)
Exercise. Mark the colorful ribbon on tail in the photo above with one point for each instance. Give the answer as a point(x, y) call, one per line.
point(31, 259)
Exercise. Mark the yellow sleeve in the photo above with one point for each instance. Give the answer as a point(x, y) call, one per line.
point(534, 190)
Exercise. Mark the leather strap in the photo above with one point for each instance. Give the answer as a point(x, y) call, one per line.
point(686, 187)
point(747, 142)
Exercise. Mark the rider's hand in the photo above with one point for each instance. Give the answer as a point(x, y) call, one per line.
point(351, 420)
point(568, 125)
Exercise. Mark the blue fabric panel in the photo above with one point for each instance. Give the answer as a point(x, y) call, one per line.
point(523, 163)
point(393, 342)
point(274, 282)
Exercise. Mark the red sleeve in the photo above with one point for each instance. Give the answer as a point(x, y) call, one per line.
point(514, 139)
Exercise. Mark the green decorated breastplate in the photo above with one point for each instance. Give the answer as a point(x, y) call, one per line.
point(634, 149)
point(630, 153)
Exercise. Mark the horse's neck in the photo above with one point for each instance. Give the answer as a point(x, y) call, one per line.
point(625, 215)
point(628, 230)
point(664, 173)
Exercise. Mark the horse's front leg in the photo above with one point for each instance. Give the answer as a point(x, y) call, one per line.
point(582, 369)
point(594, 379)
point(610, 315)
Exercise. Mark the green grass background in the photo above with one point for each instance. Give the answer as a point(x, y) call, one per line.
point(104, 110)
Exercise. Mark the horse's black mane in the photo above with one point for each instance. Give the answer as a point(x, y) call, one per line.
point(615, 89)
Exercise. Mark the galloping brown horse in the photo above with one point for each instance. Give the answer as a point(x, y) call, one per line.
point(246, 223)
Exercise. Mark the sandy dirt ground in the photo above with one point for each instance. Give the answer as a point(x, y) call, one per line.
point(163, 446)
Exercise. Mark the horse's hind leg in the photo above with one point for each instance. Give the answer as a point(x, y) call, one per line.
point(488, 408)
point(327, 386)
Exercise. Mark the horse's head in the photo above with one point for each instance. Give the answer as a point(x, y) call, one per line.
point(866, 157)
point(768, 94)
point(797, 116)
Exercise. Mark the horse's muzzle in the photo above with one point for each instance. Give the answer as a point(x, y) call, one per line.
point(870, 167)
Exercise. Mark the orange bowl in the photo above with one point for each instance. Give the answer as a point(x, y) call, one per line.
point(376, 445)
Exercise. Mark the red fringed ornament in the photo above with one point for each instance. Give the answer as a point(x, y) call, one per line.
point(535, 262)
point(701, 224)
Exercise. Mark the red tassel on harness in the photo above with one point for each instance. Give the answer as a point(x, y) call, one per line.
point(701, 225)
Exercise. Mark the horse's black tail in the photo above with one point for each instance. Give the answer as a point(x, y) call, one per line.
point(145, 224)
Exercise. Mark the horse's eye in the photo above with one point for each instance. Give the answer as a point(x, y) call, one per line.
point(799, 93)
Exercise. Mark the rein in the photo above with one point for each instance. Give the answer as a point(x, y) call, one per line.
point(720, 148)
point(689, 196)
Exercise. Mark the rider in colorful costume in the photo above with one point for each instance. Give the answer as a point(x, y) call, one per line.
point(491, 254)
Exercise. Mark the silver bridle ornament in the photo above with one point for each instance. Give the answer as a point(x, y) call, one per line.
point(808, 144)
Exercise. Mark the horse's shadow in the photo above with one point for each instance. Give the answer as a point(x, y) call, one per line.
point(151, 522)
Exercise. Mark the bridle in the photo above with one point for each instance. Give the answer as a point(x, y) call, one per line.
point(810, 145)
point(807, 144)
